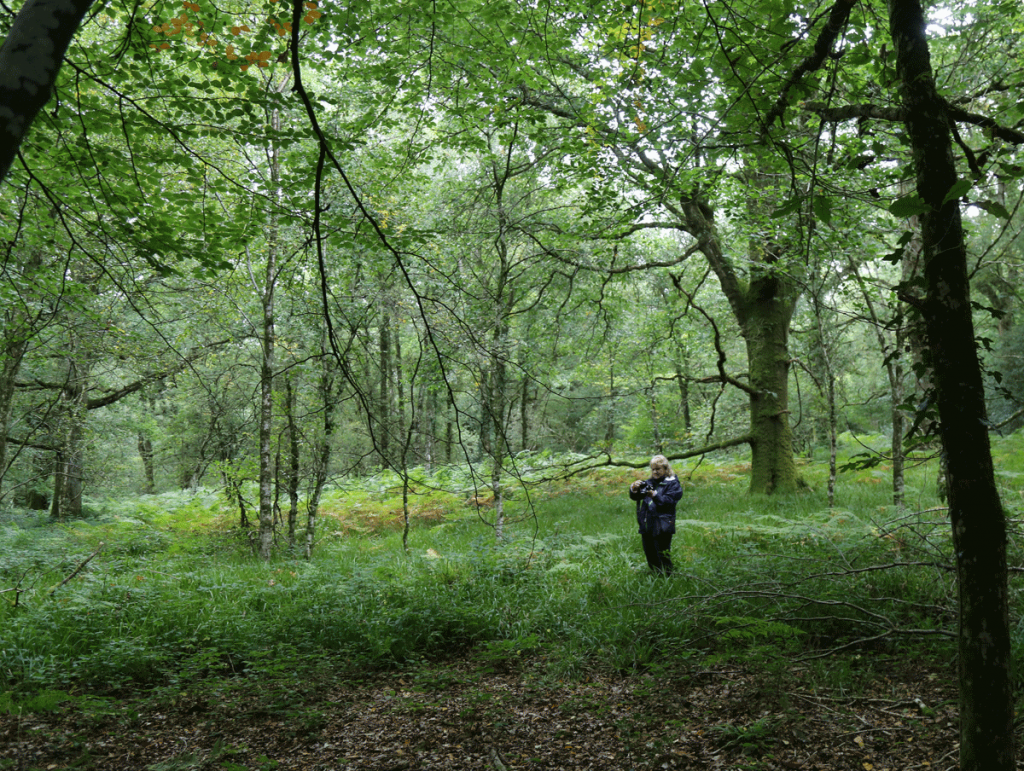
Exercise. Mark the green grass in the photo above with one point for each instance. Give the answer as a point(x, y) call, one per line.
point(174, 595)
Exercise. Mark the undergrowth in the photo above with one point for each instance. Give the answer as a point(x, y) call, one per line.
point(164, 591)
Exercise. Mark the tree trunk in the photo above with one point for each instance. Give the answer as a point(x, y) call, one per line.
point(293, 460)
point(266, 510)
point(976, 513)
point(68, 465)
point(322, 455)
point(145, 446)
point(524, 413)
point(10, 364)
point(764, 307)
point(652, 401)
point(682, 379)
point(765, 323)
point(384, 390)
point(610, 426)
point(894, 371)
point(30, 58)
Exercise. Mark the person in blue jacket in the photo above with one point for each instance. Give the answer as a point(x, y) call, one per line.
point(656, 500)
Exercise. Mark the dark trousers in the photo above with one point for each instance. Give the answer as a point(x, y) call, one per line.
point(656, 548)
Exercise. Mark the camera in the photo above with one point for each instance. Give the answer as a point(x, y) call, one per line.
point(644, 488)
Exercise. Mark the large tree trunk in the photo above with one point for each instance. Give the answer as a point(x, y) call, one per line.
point(30, 58)
point(978, 521)
point(765, 320)
point(763, 306)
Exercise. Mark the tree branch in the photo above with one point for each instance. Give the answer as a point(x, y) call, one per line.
point(30, 58)
point(898, 115)
point(77, 570)
point(822, 47)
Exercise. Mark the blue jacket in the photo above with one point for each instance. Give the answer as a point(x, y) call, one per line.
point(657, 515)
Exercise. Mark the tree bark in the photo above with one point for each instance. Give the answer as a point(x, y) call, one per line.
point(293, 459)
point(763, 306)
point(145, 446)
point(68, 465)
point(765, 324)
point(976, 513)
point(266, 507)
point(322, 454)
point(11, 356)
point(30, 58)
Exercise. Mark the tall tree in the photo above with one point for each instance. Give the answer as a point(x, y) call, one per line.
point(976, 513)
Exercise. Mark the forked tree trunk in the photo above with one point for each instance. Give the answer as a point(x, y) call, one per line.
point(763, 306)
point(978, 521)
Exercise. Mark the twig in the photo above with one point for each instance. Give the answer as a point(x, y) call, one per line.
point(496, 760)
point(77, 570)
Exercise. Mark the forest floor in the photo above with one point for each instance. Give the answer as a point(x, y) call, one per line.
point(474, 715)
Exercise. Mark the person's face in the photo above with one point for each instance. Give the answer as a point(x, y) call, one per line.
point(658, 470)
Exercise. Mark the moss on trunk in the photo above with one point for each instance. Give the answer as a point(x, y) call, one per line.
point(766, 318)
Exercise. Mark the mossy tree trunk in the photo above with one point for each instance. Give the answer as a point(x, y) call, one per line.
point(763, 304)
point(976, 513)
point(767, 311)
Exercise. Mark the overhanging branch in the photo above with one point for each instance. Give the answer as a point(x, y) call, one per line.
point(898, 115)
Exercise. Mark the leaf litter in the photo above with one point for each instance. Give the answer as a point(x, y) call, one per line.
point(471, 715)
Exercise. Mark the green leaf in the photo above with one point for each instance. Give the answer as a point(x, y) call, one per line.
point(959, 190)
point(909, 206)
point(994, 208)
point(823, 209)
point(789, 207)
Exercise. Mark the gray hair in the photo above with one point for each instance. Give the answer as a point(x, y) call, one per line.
point(662, 461)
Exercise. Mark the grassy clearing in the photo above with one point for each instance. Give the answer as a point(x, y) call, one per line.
point(172, 594)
